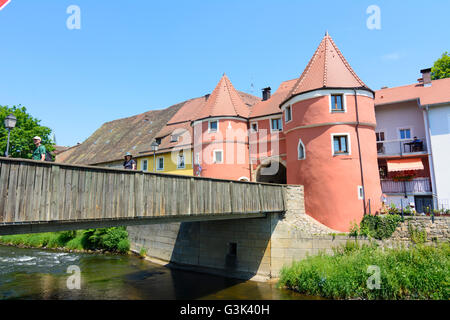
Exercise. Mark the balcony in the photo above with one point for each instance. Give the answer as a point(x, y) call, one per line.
point(401, 147)
point(418, 185)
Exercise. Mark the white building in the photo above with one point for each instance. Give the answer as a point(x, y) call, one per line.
point(415, 171)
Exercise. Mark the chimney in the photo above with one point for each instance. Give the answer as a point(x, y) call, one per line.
point(426, 77)
point(207, 96)
point(266, 93)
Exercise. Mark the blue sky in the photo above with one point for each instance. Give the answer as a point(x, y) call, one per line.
point(135, 56)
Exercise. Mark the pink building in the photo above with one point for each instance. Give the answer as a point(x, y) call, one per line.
point(317, 131)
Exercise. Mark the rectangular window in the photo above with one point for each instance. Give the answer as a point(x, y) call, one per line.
point(340, 144)
point(174, 138)
point(337, 102)
point(180, 164)
point(360, 192)
point(405, 133)
point(144, 165)
point(254, 127)
point(218, 156)
point(288, 114)
point(276, 124)
point(160, 164)
point(213, 126)
point(380, 138)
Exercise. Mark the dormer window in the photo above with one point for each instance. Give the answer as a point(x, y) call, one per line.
point(213, 125)
point(337, 103)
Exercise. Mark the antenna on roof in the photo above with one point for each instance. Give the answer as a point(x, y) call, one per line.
point(326, 33)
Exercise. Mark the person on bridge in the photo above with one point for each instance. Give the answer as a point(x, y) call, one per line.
point(39, 152)
point(129, 163)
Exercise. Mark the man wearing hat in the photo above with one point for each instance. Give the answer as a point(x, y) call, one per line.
point(39, 152)
point(129, 163)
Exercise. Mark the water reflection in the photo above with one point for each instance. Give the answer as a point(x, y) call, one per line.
point(41, 274)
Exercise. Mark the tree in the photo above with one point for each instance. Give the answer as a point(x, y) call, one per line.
point(21, 139)
point(441, 67)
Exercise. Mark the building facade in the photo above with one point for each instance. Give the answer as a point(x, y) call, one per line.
point(350, 147)
point(412, 130)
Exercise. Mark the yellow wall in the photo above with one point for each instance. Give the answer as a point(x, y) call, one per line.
point(170, 165)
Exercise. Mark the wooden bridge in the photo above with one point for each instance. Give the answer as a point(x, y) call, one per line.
point(38, 196)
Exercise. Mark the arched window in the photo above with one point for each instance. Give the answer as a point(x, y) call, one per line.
point(301, 150)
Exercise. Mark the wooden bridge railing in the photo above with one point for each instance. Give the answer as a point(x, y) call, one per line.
point(39, 192)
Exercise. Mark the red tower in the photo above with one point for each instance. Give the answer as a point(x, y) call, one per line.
point(329, 124)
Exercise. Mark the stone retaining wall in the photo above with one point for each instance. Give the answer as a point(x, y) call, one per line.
point(439, 229)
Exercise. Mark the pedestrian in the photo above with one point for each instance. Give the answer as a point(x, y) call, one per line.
point(417, 144)
point(129, 163)
point(39, 152)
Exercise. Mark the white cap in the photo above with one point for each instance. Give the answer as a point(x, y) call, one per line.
point(37, 138)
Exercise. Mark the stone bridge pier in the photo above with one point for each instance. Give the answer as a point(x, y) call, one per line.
point(248, 248)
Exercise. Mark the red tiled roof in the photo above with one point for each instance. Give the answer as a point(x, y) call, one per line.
point(327, 69)
point(224, 101)
point(438, 92)
point(272, 105)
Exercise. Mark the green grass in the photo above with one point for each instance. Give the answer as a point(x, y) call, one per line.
point(418, 272)
point(110, 239)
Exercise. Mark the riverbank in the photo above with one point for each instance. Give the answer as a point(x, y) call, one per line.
point(112, 240)
point(417, 272)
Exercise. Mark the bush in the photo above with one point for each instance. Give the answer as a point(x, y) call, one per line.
point(380, 226)
point(419, 272)
point(111, 239)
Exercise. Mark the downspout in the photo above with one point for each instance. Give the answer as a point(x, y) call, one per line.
point(359, 151)
point(430, 156)
point(249, 155)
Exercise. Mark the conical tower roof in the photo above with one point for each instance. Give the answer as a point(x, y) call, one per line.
point(224, 101)
point(327, 69)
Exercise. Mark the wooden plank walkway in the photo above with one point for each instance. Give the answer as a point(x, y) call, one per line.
point(40, 196)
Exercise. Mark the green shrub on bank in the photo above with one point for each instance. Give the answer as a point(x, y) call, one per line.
point(378, 227)
point(419, 272)
point(111, 239)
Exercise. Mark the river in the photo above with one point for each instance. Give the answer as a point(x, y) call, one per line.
point(42, 274)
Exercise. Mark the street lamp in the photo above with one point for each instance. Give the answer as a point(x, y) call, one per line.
point(154, 149)
point(10, 123)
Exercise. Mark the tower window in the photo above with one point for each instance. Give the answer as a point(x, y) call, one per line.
point(337, 102)
point(218, 156)
point(340, 144)
point(360, 192)
point(288, 114)
point(301, 150)
point(213, 125)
